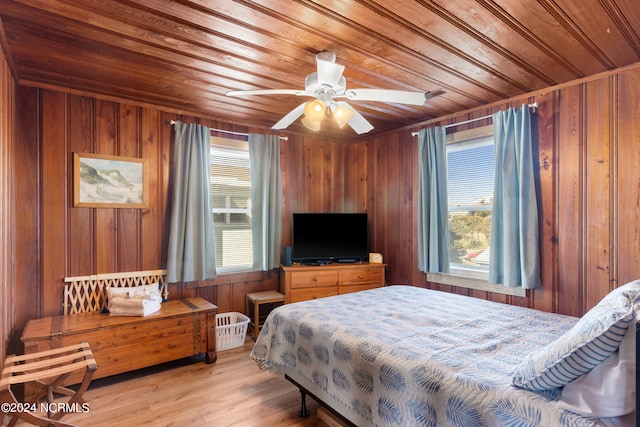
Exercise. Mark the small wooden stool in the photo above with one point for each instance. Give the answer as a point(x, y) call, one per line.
point(44, 372)
point(257, 299)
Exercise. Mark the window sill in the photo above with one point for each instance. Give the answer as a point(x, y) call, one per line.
point(474, 283)
point(221, 271)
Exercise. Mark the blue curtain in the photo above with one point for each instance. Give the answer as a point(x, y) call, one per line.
point(266, 200)
point(514, 258)
point(433, 226)
point(191, 254)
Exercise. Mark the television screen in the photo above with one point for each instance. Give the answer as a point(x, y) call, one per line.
point(329, 237)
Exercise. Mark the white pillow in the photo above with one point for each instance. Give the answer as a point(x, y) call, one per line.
point(609, 389)
point(594, 338)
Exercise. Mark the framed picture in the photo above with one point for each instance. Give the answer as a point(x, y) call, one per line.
point(103, 181)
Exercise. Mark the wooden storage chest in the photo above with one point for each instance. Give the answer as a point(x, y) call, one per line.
point(181, 328)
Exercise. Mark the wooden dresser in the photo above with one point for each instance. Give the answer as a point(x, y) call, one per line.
point(305, 282)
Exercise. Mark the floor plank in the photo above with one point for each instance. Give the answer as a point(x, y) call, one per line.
point(231, 392)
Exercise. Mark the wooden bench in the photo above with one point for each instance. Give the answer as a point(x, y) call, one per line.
point(181, 328)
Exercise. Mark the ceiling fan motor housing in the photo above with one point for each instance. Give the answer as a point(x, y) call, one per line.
point(325, 92)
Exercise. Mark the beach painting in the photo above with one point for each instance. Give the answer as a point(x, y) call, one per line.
point(103, 181)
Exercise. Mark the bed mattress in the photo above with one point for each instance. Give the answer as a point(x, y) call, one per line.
point(407, 356)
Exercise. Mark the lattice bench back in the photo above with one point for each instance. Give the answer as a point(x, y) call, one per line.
point(87, 293)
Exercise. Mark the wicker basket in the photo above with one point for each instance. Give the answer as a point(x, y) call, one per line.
point(231, 329)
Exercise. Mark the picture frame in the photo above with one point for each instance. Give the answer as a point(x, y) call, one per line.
point(105, 181)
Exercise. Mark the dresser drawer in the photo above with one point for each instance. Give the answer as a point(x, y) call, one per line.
point(361, 275)
point(313, 293)
point(314, 278)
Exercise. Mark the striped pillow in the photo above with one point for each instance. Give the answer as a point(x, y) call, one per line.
point(594, 338)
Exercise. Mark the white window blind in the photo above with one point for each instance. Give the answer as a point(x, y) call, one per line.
point(470, 165)
point(231, 204)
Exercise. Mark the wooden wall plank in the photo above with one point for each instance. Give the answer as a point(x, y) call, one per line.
point(54, 200)
point(81, 123)
point(155, 146)
point(25, 201)
point(295, 190)
point(319, 176)
point(383, 156)
point(288, 188)
point(356, 181)
point(389, 215)
point(570, 187)
point(407, 213)
point(628, 161)
point(599, 103)
point(106, 219)
point(128, 237)
point(9, 286)
point(546, 153)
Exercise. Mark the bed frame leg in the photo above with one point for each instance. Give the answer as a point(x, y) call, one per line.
point(303, 407)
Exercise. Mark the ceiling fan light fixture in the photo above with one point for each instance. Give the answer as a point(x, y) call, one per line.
point(314, 110)
point(342, 115)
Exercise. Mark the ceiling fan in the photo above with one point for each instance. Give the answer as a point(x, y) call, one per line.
point(328, 84)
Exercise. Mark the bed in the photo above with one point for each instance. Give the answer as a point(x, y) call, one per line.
point(407, 356)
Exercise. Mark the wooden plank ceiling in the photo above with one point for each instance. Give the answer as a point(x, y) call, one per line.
point(184, 56)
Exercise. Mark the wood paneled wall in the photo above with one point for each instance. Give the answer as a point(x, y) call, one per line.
point(589, 139)
point(58, 240)
point(589, 181)
point(69, 241)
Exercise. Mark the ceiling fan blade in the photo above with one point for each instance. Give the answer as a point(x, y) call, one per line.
point(358, 123)
point(329, 73)
point(290, 117)
point(267, 92)
point(386, 95)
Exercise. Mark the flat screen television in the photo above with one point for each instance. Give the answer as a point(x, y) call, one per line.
point(330, 237)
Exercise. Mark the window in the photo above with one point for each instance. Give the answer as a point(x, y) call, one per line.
point(231, 204)
point(471, 171)
point(470, 166)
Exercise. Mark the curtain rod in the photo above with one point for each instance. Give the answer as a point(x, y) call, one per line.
point(534, 106)
point(286, 138)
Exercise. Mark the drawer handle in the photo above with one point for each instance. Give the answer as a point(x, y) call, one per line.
point(315, 279)
point(360, 277)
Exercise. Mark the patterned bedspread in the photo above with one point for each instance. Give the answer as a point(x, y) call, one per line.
point(406, 356)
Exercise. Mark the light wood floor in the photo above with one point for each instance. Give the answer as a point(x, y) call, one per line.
point(231, 392)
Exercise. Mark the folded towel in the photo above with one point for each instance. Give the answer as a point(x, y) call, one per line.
point(125, 306)
point(125, 299)
point(142, 310)
point(121, 302)
point(139, 294)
